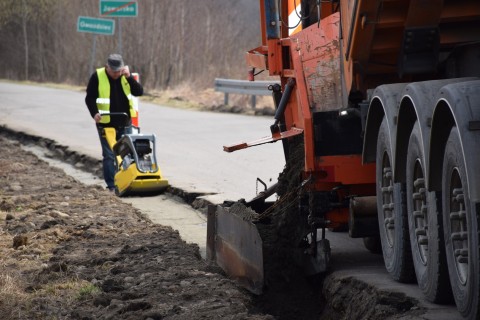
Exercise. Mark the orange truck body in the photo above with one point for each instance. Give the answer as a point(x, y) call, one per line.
point(386, 95)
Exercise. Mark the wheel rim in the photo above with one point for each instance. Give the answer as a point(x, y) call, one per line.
point(388, 204)
point(458, 226)
point(420, 215)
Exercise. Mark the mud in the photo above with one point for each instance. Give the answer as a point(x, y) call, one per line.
point(291, 290)
point(70, 251)
point(282, 227)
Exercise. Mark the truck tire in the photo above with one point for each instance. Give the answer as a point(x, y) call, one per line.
point(392, 213)
point(460, 225)
point(425, 224)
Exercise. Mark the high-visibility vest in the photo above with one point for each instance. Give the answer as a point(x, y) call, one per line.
point(103, 100)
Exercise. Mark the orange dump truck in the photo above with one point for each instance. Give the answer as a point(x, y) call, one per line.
point(385, 97)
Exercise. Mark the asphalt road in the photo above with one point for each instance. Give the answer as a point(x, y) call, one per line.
point(189, 143)
point(190, 154)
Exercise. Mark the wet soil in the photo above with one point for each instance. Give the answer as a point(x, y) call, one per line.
point(71, 251)
point(292, 290)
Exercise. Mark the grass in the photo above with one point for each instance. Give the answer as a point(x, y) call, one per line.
point(87, 291)
point(9, 288)
point(14, 301)
point(11, 295)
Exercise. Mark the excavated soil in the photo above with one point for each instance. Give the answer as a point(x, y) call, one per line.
point(71, 251)
point(290, 291)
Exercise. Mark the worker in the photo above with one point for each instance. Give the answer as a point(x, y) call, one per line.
point(110, 90)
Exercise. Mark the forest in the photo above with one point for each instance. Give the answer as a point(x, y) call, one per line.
point(169, 43)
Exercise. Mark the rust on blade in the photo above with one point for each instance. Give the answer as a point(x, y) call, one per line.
point(273, 138)
point(237, 249)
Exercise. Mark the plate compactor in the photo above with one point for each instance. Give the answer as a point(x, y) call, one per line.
point(137, 171)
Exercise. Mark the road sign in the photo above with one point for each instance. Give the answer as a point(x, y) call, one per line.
point(96, 25)
point(118, 8)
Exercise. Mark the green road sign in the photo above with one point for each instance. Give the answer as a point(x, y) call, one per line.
point(118, 8)
point(95, 25)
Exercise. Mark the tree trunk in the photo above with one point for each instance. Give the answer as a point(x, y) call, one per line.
point(25, 37)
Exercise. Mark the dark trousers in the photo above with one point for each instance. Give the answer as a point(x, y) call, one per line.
point(108, 161)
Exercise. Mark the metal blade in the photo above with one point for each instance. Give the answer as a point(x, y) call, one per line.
point(275, 137)
point(235, 244)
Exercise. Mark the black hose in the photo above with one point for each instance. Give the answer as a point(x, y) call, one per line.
point(283, 102)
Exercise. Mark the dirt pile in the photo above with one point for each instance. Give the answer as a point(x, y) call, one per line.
point(70, 251)
point(290, 292)
point(281, 229)
point(353, 299)
point(287, 294)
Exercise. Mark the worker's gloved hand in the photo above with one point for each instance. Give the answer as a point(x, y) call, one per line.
point(97, 117)
point(126, 71)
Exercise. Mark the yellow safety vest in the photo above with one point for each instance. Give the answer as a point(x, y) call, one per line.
point(103, 100)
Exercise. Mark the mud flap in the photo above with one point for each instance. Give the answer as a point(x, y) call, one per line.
point(234, 243)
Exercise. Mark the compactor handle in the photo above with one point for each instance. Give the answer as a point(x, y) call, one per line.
point(116, 114)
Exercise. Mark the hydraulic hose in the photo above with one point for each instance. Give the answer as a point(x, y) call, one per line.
point(279, 125)
point(284, 100)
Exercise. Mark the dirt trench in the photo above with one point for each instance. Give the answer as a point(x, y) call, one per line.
point(70, 251)
point(288, 292)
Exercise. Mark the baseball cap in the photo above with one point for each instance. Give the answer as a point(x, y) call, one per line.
point(115, 62)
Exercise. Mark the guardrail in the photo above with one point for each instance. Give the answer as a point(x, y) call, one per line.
point(253, 88)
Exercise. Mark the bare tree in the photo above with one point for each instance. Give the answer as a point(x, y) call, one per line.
point(169, 43)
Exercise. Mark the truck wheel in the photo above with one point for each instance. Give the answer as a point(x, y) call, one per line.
point(426, 233)
point(392, 215)
point(460, 229)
